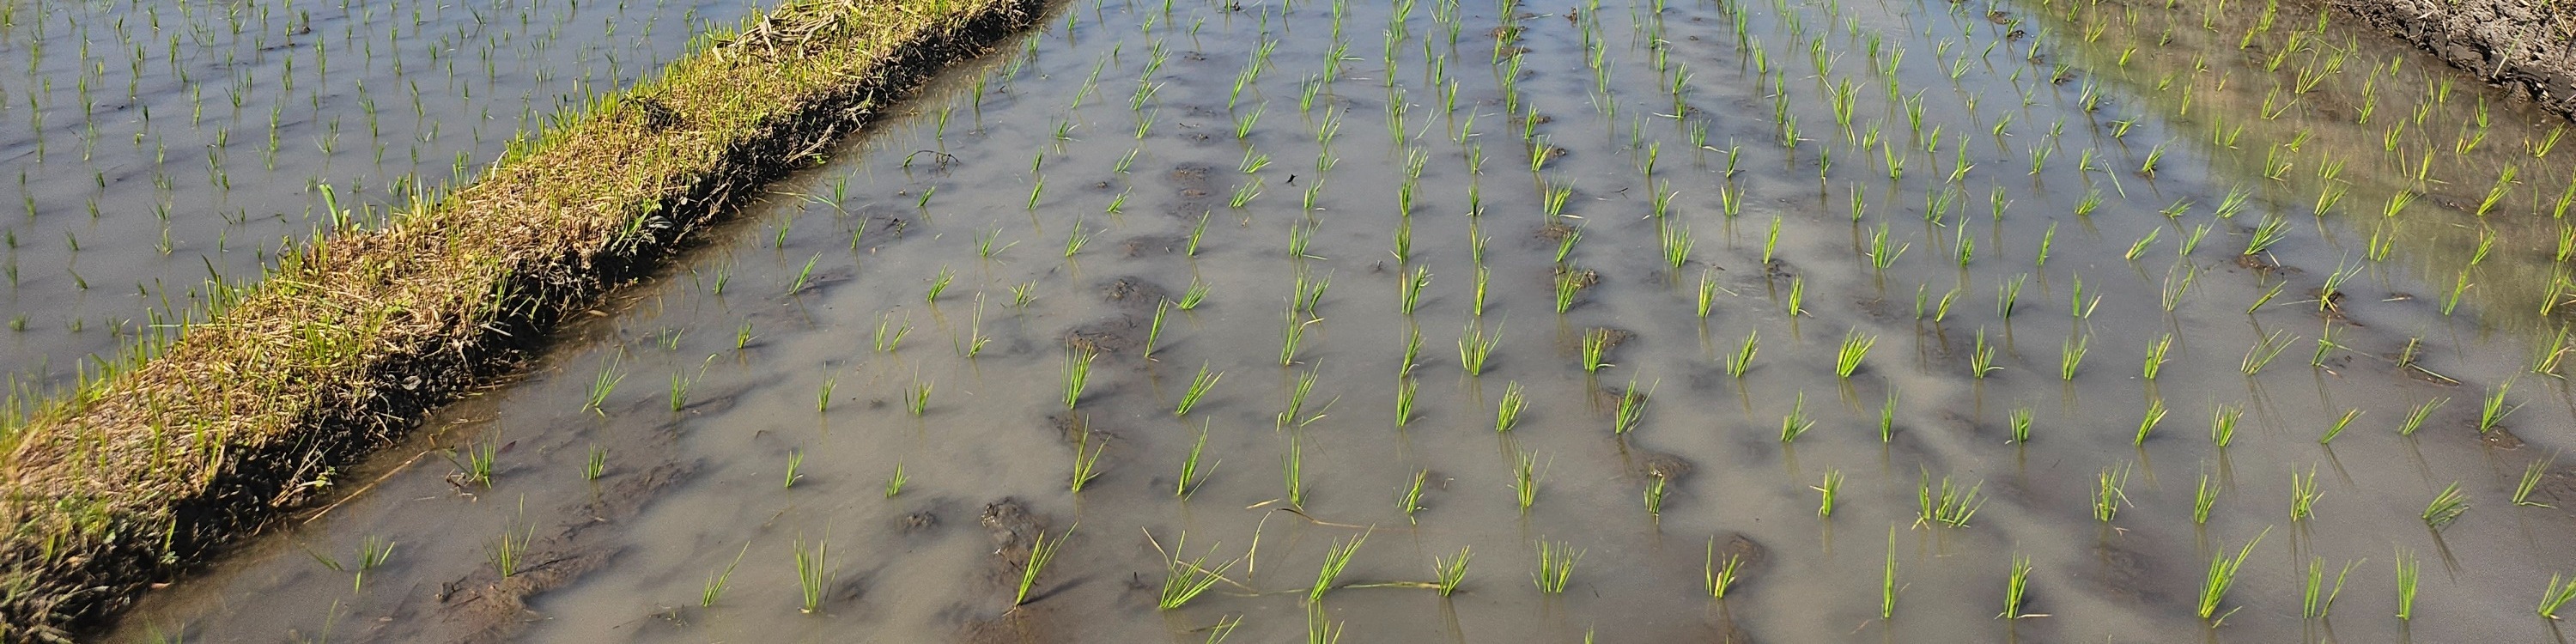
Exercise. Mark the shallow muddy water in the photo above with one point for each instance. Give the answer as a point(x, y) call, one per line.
point(151, 146)
point(915, 311)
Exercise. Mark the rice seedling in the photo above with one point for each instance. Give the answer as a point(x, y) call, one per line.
point(2109, 492)
point(1474, 346)
point(1796, 423)
point(1946, 505)
point(1508, 412)
point(1410, 501)
point(2222, 424)
point(2147, 424)
point(2493, 410)
point(1199, 386)
point(1826, 491)
point(1024, 293)
point(2203, 499)
point(1194, 296)
point(1596, 343)
point(1086, 461)
point(1798, 293)
point(823, 396)
point(1295, 415)
point(1708, 290)
point(1041, 552)
point(1555, 566)
point(1855, 347)
point(1718, 577)
point(2314, 604)
point(601, 387)
point(595, 464)
point(717, 582)
point(1887, 417)
point(1527, 474)
point(2555, 595)
point(2415, 418)
point(1742, 360)
point(2221, 577)
point(1336, 558)
point(2446, 507)
point(1077, 373)
point(1981, 359)
point(938, 283)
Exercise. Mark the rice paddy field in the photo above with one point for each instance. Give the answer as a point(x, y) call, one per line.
point(155, 146)
point(1436, 321)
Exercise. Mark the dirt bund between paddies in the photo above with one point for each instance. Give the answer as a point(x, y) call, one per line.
point(2527, 47)
point(141, 473)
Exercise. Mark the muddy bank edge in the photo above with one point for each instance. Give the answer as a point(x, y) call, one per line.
point(139, 474)
point(2526, 46)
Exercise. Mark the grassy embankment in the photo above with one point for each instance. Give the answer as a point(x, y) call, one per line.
point(139, 472)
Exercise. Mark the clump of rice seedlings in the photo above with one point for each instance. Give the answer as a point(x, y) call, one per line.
point(1293, 334)
point(1185, 579)
point(1654, 497)
point(511, 550)
point(2263, 351)
point(2494, 409)
point(1796, 423)
point(1508, 412)
point(2147, 424)
point(2016, 587)
point(812, 570)
point(2222, 575)
point(1474, 346)
point(2337, 428)
point(2555, 595)
point(1199, 386)
point(2407, 572)
point(1947, 504)
point(1191, 474)
point(1855, 348)
point(2304, 493)
point(2109, 492)
point(823, 396)
point(1336, 558)
point(717, 582)
point(595, 465)
point(1708, 290)
point(1887, 416)
point(1410, 501)
point(601, 386)
point(938, 283)
point(1024, 293)
point(917, 399)
point(1292, 471)
point(1596, 343)
point(1797, 294)
point(1718, 576)
point(1195, 295)
point(1154, 331)
point(1677, 244)
point(1086, 461)
point(1826, 491)
point(1527, 474)
point(1631, 409)
point(1295, 415)
point(2531, 477)
point(1568, 284)
point(1556, 566)
point(2021, 424)
point(2222, 424)
point(795, 462)
point(1410, 295)
point(1887, 581)
point(1981, 360)
point(1077, 374)
point(894, 483)
point(2415, 418)
point(1041, 552)
point(1450, 571)
point(2071, 356)
point(1742, 360)
point(2314, 604)
point(2446, 507)
point(888, 338)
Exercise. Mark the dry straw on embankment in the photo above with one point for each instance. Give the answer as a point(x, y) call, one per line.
point(141, 472)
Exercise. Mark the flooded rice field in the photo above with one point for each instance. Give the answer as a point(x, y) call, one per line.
point(152, 146)
point(1688, 321)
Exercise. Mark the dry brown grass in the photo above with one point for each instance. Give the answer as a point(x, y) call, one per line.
point(137, 472)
